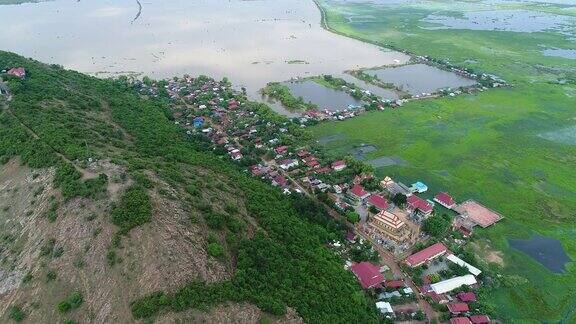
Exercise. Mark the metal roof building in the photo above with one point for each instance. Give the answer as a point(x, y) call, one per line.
point(473, 270)
point(452, 283)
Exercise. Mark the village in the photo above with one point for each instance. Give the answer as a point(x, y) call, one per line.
point(411, 272)
point(392, 245)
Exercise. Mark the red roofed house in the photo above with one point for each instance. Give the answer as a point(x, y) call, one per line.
point(232, 104)
point(378, 201)
point(445, 200)
point(313, 163)
point(457, 308)
point(302, 154)
point(480, 319)
point(440, 299)
point(368, 274)
point(417, 203)
point(351, 237)
point(323, 170)
point(279, 181)
point(338, 165)
point(460, 320)
point(395, 284)
point(426, 255)
point(19, 72)
point(281, 149)
point(467, 296)
point(359, 192)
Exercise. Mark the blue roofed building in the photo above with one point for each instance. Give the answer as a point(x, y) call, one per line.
point(419, 187)
point(198, 121)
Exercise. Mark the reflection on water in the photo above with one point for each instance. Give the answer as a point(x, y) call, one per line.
point(545, 250)
point(251, 42)
point(421, 78)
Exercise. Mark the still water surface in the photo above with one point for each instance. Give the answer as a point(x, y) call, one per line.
point(420, 78)
point(251, 42)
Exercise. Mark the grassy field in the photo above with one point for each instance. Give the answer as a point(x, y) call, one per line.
point(483, 146)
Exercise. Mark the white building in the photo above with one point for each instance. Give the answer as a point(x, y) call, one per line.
point(287, 164)
point(452, 283)
point(384, 307)
point(473, 270)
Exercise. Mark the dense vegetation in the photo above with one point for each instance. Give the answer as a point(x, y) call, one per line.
point(285, 264)
point(134, 209)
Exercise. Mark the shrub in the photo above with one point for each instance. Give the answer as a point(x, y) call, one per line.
point(215, 249)
point(134, 209)
point(16, 314)
point(72, 302)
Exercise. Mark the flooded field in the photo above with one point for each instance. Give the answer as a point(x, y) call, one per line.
point(560, 52)
point(360, 152)
point(420, 78)
point(563, 136)
point(331, 138)
point(525, 21)
point(385, 161)
point(545, 250)
point(324, 98)
point(250, 42)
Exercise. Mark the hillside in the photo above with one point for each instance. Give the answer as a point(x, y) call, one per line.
point(110, 213)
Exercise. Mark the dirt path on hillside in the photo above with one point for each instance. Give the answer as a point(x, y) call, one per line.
point(85, 173)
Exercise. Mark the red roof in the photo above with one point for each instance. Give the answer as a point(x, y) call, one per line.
point(233, 104)
point(480, 319)
point(339, 163)
point(281, 149)
point(312, 163)
point(427, 254)
point(368, 274)
point(395, 283)
point(458, 307)
point(303, 153)
point(378, 202)
point(280, 180)
point(323, 170)
point(460, 320)
point(257, 170)
point(437, 298)
point(359, 191)
point(18, 72)
point(351, 237)
point(445, 199)
point(418, 203)
point(467, 296)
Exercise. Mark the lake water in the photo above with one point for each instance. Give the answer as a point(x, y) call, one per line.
point(525, 21)
point(324, 98)
point(251, 42)
point(380, 92)
point(421, 78)
point(545, 250)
